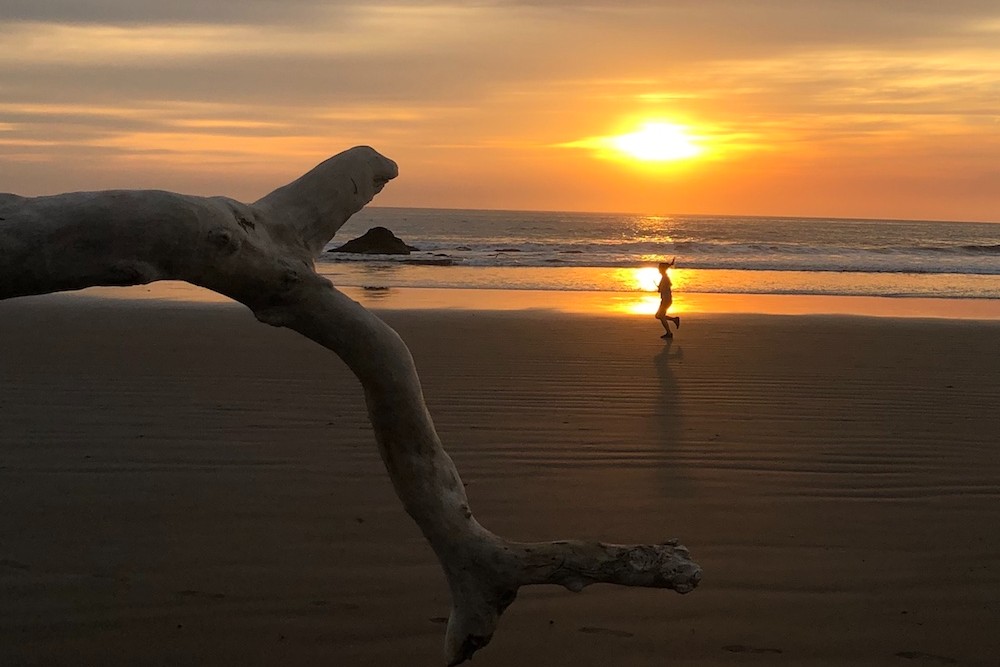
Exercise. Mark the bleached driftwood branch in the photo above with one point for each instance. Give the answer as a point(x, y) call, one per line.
point(261, 255)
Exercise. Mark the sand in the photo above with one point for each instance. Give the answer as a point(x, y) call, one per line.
point(183, 486)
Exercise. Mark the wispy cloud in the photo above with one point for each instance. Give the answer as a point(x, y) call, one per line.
point(264, 87)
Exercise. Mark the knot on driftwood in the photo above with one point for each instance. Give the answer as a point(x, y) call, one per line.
point(223, 240)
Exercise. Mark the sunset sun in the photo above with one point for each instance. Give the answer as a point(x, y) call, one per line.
point(651, 142)
point(657, 142)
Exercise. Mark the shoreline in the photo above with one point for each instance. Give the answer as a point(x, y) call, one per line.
point(628, 304)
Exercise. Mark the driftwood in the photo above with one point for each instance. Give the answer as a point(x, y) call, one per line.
point(261, 255)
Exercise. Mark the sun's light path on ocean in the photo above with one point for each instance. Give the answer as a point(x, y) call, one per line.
point(646, 280)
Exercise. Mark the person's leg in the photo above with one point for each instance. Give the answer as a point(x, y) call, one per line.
point(661, 315)
point(666, 328)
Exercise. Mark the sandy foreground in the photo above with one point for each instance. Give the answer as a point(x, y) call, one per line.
point(181, 485)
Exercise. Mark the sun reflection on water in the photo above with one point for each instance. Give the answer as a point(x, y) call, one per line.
point(646, 280)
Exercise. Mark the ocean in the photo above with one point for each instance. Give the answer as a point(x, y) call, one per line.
point(523, 250)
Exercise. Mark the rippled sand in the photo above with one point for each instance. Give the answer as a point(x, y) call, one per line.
point(184, 486)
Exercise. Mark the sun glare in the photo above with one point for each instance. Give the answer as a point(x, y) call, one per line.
point(646, 279)
point(657, 142)
point(639, 286)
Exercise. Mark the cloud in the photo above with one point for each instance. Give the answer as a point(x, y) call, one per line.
point(121, 12)
point(241, 82)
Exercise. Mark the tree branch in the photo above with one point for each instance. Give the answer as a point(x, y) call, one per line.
point(261, 255)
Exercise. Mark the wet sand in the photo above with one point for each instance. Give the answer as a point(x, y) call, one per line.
point(184, 486)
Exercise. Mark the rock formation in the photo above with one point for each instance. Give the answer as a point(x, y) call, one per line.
point(376, 241)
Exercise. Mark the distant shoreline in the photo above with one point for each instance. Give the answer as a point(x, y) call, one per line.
point(622, 304)
point(688, 214)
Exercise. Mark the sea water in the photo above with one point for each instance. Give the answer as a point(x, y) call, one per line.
point(513, 250)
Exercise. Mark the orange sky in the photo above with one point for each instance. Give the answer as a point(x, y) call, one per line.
point(828, 108)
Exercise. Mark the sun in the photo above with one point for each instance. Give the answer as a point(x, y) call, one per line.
point(653, 143)
point(657, 142)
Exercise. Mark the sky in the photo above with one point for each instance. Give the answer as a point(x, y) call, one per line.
point(840, 108)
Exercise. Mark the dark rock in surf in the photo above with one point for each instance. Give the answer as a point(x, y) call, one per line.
point(376, 241)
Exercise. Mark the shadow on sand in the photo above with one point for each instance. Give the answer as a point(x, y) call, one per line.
point(667, 422)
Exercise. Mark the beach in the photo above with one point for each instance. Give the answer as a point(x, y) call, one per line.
point(183, 485)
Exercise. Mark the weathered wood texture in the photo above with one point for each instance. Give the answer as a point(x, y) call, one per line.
point(261, 255)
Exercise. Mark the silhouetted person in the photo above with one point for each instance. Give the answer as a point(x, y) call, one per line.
point(666, 298)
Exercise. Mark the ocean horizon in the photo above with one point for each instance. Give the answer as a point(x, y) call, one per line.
point(553, 251)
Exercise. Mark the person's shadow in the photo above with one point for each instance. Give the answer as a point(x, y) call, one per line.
point(668, 419)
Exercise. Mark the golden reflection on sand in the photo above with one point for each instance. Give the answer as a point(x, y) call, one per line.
point(644, 304)
point(641, 294)
point(626, 303)
point(162, 290)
